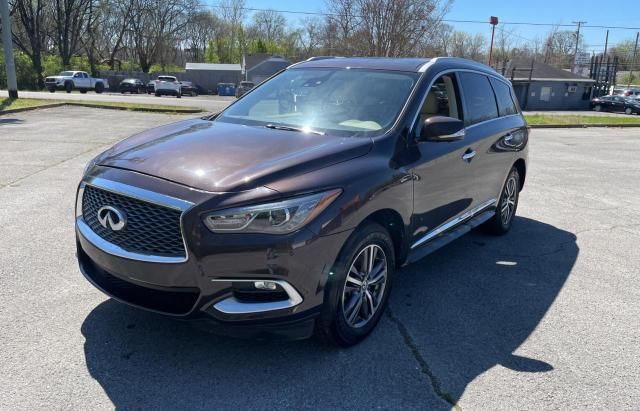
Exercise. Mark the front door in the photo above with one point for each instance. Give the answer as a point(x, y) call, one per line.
point(444, 171)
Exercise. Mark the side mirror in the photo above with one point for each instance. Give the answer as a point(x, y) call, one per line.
point(440, 128)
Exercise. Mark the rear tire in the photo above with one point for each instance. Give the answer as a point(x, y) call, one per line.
point(501, 222)
point(350, 310)
point(52, 90)
point(68, 86)
point(157, 94)
point(99, 88)
point(178, 95)
point(83, 91)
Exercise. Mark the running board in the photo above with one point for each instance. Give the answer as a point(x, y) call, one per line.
point(448, 236)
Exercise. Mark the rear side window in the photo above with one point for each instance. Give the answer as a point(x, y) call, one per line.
point(506, 105)
point(479, 100)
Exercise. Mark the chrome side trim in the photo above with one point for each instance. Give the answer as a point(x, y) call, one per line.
point(452, 223)
point(231, 305)
point(113, 249)
point(139, 194)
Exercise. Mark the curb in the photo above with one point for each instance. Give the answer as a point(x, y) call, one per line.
point(141, 109)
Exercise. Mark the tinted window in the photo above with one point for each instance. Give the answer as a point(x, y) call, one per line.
point(479, 100)
point(506, 105)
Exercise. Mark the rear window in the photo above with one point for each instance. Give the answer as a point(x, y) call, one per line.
point(506, 105)
point(479, 100)
point(165, 78)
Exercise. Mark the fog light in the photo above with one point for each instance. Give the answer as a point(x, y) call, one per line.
point(265, 285)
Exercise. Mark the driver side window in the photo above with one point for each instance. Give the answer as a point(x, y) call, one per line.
point(442, 100)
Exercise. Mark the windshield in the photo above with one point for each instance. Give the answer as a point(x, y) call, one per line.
point(66, 73)
point(334, 101)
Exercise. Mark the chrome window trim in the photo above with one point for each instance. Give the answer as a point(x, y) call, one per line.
point(455, 221)
point(231, 305)
point(457, 70)
point(428, 64)
point(139, 194)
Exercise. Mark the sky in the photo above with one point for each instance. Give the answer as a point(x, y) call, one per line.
point(594, 12)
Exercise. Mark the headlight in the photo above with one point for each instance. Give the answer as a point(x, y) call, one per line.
point(272, 218)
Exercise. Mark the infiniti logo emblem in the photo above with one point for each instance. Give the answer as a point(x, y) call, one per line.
point(111, 217)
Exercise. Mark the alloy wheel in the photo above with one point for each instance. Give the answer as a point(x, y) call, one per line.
point(364, 288)
point(509, 197)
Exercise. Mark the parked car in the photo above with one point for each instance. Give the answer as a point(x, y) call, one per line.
point(614, 103)
point(78, 80)
point(132, 85)
point(188, 88)
point(167, 85)
point(632, 106)
point(338, 172)
point(226, 89)
point(151, 87)
point(243, 87)
point(626, 92)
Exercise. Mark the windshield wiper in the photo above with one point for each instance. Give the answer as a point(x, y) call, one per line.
point(291, 128)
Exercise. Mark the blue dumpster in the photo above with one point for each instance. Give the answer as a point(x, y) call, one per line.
point(226, 89)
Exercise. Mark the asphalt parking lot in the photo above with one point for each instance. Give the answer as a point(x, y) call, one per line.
point(546, 317)
point(207, 103)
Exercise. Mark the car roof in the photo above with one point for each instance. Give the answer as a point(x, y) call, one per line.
point(397, 64)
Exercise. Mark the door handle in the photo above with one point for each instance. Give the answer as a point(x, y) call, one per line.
point(468, 155)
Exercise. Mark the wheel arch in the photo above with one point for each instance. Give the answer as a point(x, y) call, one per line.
point(522, 170)
point(392, 221)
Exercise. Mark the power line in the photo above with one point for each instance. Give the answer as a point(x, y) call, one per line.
point(520, 23)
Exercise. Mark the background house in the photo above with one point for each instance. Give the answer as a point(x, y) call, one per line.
point(539, 86)
point(260, 66)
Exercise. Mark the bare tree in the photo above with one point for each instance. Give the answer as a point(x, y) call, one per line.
point(30, 33)
point(70, 22)
point(385, 27)
point(269, 25)
point(309, 36)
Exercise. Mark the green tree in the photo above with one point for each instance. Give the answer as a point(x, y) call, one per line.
point(210, 55)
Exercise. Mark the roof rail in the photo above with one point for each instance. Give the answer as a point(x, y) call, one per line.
point(322, 58)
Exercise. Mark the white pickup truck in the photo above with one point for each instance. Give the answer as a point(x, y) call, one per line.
point(167, 85)
point(79, 80)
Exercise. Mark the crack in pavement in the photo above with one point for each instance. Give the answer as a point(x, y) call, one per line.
point(436, 385)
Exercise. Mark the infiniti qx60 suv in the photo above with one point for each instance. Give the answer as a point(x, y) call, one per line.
point(289, 212)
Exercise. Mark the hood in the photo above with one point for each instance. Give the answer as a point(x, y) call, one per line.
point(216, 156)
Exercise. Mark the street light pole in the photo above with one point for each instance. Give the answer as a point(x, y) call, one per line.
point(494, 22)
point(633, 62)
point(575, 54)
point(10, 66)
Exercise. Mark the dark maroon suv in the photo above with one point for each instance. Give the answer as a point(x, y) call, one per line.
point(289, 212)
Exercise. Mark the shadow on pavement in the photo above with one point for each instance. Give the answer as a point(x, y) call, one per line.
point(10, 121)
point(460, 311)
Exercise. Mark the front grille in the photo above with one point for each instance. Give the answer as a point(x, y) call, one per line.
point(151, 229)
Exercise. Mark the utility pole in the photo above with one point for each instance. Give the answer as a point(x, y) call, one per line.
point(575, 54)
point(633, 62)
point(606, 44)
point(10, 65)
point(493, 20)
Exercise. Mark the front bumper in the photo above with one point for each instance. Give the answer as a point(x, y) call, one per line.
point(201, 286)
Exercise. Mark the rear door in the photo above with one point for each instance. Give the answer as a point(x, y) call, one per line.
point(489, 126)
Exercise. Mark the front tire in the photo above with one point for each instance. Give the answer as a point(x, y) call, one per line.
point(501, 222)
point(358, 290)
point(598, 108)
point(628, 111)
